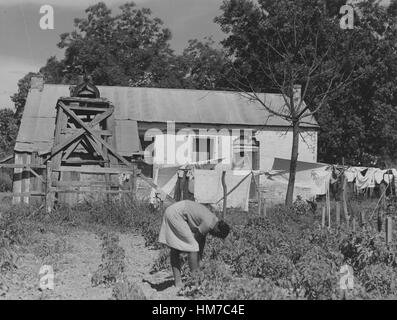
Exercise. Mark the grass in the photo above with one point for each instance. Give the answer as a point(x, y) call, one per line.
point(26, 228)
point(286, 255)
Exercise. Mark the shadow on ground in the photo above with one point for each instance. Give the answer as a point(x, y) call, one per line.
point(160, 286)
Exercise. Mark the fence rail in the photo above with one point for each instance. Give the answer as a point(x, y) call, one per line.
point(53, 187)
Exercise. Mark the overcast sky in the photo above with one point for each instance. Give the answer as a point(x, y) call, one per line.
point(25, 47)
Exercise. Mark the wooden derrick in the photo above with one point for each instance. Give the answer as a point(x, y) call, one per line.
point(85, 139)
point(83, 159)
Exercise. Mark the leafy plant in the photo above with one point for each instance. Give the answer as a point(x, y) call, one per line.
point(113, 261)
point(126, 290)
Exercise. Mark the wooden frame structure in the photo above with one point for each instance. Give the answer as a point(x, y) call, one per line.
point(83, 159)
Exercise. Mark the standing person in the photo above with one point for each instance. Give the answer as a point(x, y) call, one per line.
point(184, 229)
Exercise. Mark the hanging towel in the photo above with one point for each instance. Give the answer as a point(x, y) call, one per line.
point(207, 185)
point(367, 180)
point(239, 198)
point(379, 175)
point(350, 174)
point(321, 178)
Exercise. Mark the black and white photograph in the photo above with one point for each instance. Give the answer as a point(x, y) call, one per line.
point(210, 152)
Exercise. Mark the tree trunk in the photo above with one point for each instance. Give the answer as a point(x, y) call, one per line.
point(294, 161)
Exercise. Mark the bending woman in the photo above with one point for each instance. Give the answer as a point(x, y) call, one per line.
point(184, 229)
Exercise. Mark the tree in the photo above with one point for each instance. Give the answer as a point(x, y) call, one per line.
point(359, 122)
point(8, 132)
point(127, 49)
point(279, 44)
point(19, 98)
point(53, 71)
point(204, 66)
point(117, 49)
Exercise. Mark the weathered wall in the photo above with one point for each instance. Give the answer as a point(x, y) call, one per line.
point(277, 143)
point(273, 143)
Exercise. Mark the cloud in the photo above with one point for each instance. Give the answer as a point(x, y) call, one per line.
point(11, 71)
point(67, 3)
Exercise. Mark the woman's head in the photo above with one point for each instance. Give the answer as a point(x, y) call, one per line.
point(220, 230)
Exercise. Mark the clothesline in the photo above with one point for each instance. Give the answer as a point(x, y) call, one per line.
point(368, 177)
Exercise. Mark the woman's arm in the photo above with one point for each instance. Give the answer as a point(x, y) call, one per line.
point(200, 238)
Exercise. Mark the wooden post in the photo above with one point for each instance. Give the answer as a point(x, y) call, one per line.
point(344, 194)
point(48, 198)
point(383, 189)
point(370, 192)
point(263, 201)
point(323, 217)
point(379, 221)
point(224, 194)
point(185, 188)
point(337, 213)
point(362, 218)
point(178, 190)
point(354, 223)
point(344, 201)
point(35, 183)
point(329, 214)
point(259, 203)
point(134, 182)
point(389, 230)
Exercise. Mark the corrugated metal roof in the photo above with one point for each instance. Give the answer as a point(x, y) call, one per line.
point(148, 105)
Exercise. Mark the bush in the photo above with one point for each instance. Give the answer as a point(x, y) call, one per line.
point(5, 181)
point(379, 279)
point(288, 256)
point(317, 274)
point(365, 248)
point(14, 231)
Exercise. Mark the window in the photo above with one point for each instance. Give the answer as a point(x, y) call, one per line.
point(204, 148)
point(246, 153)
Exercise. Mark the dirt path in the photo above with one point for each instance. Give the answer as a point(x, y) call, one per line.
point(76, 265)
point(139, 263)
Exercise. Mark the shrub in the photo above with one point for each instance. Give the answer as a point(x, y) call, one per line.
point(317, 275)
point(301, 207)
point(14, 230)
point(379, 279)
point(367, 247)
point(5, 181)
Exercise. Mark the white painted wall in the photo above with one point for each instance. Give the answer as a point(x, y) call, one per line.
point(277, 143)
point(174, 150)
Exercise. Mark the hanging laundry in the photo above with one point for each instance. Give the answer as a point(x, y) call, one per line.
point(388, 178)
point(239, 198)
point(190, 176)
point(321, 178)
point(379, 175)
point(366, 179)
point(350, 174)
point(208, 187)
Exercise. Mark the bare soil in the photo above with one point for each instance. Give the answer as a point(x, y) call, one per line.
point(75, 256)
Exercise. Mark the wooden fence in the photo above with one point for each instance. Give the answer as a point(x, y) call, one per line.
point(51, 187)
